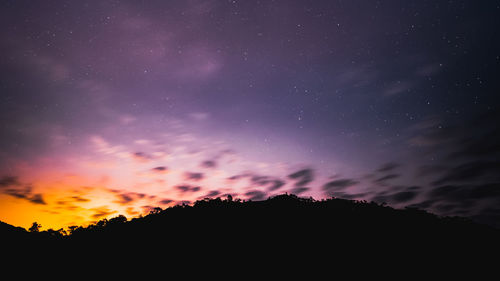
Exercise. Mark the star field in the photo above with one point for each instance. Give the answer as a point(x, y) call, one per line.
point(129, 105)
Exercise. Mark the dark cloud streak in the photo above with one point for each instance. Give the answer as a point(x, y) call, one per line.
point(193, 176)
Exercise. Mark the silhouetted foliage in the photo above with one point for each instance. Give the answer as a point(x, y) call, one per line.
point(35, 227)
point(278, 228)
point(156, 210)
point(118, 220)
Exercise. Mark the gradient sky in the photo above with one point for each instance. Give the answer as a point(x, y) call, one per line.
point(116, 107)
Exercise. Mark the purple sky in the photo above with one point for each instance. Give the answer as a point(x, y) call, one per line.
point(157, 102)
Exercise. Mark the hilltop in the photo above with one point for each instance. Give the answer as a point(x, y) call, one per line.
point(280, 227)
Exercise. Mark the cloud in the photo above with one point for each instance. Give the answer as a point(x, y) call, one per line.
point(193, 176)
point(446, 208)
point(166, 201)
point(11, 186)
point(142, 141)
point(403, 196)
point(37, 199)
point(358, 76)
point(239, 176)
point(68, 202)
point(430, 170)
point(54, 69)
point(198, 63)
point(124, 198)
point(147, 208)
point(477, 170)
point(105, 147)
point(79, 199)
point(335, 188)
point(255, 179)
point(446, 190)
point(482, 139)
point(387, 167)
point(466, 192)
point(260, 180)
point(127, 119)
point(183, 188)
point(465, 200)
point(298, 190)
point(19, 193)
point(212, 193)
point(339, 184)
point(199, 116)
point(396, 88)
point(208, 164)
point(423, 204)
point(349, 196)
point(423, 140)
point(131, 211)
point(128, 197)
point(141, 157)
point(6, 181)
point(160, 169)
point(466, 172)
point(385, 178)
point(303, 177)
point(486, 191)
point(102, 211)
point(187, 188)
point(429, 69)
point(430, 133)
point(256, 195)
point(276, 184)
point(481, 146)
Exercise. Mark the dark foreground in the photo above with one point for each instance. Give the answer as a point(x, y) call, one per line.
point(281, 230)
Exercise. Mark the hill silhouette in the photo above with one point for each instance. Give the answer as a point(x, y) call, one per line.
point(285, 227)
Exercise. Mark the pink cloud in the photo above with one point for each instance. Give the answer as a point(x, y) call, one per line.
point(55, 70)
point(397, 87)
point(198, 63)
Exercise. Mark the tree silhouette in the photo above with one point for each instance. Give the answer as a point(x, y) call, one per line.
point(35, 227)
point(117, 220)
point(72, 229)
point(155, 211)
point(55, 233)
point(278, 228)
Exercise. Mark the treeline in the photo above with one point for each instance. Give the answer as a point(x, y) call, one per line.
point(282, 226)
point(281, 210)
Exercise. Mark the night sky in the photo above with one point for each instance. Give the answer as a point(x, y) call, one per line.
point(116, 107)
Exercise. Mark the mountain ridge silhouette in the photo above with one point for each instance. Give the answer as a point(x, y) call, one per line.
point(281, 228)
